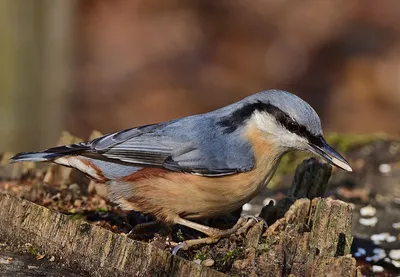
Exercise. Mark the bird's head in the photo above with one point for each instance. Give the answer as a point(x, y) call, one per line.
point(289, 121)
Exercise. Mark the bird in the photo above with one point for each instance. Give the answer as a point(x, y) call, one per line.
point(199, 166)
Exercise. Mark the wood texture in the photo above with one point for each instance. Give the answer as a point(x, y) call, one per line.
point(91, 248)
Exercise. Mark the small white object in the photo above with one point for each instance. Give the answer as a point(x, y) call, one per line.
point(375, 258)
point(368, 221)
point(197, 261)
point(208, 262)
point(360, 252)
point(247, 207)
point(394, 254)
point(378, 238)
point(378, 251)
point(377, 268)
point(267, 200)
point(396, 264)
point(379, 255)
point(385, 168)
point(397, 201)
point(391, 239)
point(368, 211)
point(4, 261)
point(396, 225)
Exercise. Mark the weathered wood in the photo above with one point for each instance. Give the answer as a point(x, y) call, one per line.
point(93, 249)
point(312, 239)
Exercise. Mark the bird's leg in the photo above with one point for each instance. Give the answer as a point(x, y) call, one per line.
point(211, 232)
point(214, 234)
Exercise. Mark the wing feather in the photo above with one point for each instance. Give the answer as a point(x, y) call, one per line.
point(174, 147)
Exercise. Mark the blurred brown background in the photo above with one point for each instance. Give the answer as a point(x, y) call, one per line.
point(113, 64)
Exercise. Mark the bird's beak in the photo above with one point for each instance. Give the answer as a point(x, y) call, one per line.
point(321, 148)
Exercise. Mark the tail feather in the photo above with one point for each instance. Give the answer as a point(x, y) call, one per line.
point(95, 166)
point(34, 157)
point(50, 154)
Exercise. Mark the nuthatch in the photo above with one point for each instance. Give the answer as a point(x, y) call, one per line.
point(202, 165)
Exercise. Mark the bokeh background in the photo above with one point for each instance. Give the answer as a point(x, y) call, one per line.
point(107, 65)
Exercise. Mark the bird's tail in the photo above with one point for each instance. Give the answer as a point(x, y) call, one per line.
point(30, 157)
point(49, 155)
point(81, 157)
point(69, 155)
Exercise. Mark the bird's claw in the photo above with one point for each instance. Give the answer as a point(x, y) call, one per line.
point(177, 248)
point(251, 221)
point(258, 219)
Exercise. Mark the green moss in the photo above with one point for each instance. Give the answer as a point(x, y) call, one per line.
point(267, 245)
point(200, 256)
point(31, 250)
point(231, 255)
point(77, 216)
point(102, 209)
point(287, 165)
point(345, 142)
point(290, 161)
point(179, 235)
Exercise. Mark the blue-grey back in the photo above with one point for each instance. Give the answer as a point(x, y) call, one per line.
point(200, 141)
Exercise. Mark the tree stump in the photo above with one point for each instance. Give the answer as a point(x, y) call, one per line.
point(306, 238)
point(96, 251)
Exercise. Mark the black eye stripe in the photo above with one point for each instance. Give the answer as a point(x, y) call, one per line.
point(232, 122)
point(292, 126)
point(289, 123)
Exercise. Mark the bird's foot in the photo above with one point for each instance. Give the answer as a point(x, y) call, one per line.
point(250, 221)
point(241, 227)
point(257, 219)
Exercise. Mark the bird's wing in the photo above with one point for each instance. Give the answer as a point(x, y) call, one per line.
point(177, 148)
point(139, 146)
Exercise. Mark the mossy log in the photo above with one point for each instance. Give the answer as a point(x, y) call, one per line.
point(306, 238)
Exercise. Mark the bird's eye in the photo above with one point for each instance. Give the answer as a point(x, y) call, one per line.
point(292, 126)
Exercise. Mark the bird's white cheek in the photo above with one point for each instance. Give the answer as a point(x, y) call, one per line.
point(279, 135)
point(292, 141)
point(300, 144)
point(265, 122)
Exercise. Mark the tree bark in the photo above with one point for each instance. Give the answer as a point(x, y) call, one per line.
point(93, 249)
